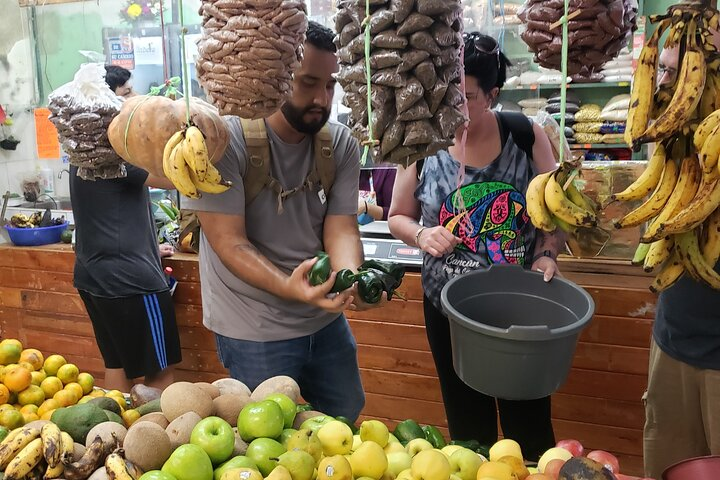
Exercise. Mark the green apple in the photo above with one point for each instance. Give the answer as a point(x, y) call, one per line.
point(448, 450)
point(454, 477)
point(156, 475)
point(279, 473)
point(189, 462)
point(285, 436)
point(369, 460)
point(262, 451)
point(417, 445)
point(374, 431)
point(465, 463)
point(288, 407)
point(216, 437)
point(393, 447)
point(300, 464)
point(241, 473)
point(314, 423)
point(336, 467)
point(430, 465)
point(397, 462)
point(336, 438)
point(260, 420)
point(307, 441)
point(241, 461)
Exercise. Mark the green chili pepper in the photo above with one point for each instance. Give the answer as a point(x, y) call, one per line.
point(433, 435)
point(320, 272)
point(343, 280)
point(396, 270)
point(370, 286)
point(388, 281)
point(473, 445)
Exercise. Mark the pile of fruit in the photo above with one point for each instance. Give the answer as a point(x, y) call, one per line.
point(680, 187)
point(37, 219)
point(223, 431)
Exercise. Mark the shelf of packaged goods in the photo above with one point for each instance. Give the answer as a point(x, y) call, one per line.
point(554, 86)
point(591, 146)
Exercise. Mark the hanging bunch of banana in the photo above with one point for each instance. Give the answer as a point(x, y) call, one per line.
point(187, 165)
point(679, 189)
point(554, 201)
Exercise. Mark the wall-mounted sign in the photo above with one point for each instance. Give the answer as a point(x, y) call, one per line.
point(122, 52)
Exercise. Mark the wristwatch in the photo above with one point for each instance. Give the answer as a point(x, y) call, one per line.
point(544, 253)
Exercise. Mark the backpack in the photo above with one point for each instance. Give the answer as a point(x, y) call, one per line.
point(511, 122)
point(258, 176)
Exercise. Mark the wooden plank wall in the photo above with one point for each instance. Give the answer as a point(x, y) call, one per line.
point(599, 404)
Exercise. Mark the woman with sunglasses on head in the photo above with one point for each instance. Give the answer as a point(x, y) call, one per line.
point(470, 220)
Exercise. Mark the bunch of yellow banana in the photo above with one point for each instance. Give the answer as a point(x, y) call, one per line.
point(187, 165)
point(550, 204)
point(118, 467)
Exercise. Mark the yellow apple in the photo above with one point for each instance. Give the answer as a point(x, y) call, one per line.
point(552, 454)
point(279, 473)
point(336, 467)
point(465, 463)
point(397, 462)
point(374, 431)
point(356, 442)
point(505, 447)
point(336, 438)
point(430, 465)
point(417, 445)
point(306, 440)
point(392, 438)
point(241, 474)
point(393, 447)
point(405, 475)
point(448, 450)
point(369, 460)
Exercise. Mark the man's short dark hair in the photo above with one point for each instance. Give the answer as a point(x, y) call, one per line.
point(320, 37)
point(116, 76)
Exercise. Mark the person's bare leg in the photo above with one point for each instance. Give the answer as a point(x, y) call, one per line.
point(161, 379)
point(115, 379)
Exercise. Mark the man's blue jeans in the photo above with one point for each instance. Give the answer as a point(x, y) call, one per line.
point(324, 365)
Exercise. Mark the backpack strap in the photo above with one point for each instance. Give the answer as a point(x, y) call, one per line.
point(521, 128)
point(324, 158)
point(257, 172)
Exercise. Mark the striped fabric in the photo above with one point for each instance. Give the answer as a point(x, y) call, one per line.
point(154, 315)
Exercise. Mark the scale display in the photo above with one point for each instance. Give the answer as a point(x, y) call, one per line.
point(393, 250)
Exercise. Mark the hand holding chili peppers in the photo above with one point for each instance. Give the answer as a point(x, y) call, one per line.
point(299, 288)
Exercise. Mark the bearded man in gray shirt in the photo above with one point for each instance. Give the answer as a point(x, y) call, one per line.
point(267, 319)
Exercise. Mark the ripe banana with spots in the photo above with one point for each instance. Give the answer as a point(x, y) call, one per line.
point(710, 244)
point(196, 153)
point(117, 468)
point(92, 459)
point(644, 81)
point(177, 171)
point(706, 201)
point(694, 261)
point(655, 203)
point(68, 445)
point(670, 273)
point(648, 179)
point(535, 200)
point(658, 253)
point(561, 207)
point(15, 442)
point(27, 459)
point(706, 127)
point(52, 443)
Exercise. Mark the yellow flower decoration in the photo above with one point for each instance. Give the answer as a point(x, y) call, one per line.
point(134, 10)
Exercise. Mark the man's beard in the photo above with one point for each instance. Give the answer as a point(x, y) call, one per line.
point(294, 117)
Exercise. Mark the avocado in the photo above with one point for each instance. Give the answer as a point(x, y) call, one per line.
point(66, 236)
point(106, 403)
point(149, 407)
point(78, 420)
point(114, 417)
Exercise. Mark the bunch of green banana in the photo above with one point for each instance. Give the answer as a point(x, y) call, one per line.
point(550, 205)
point(187, 165)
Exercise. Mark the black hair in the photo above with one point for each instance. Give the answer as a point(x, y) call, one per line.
point(484, 61)
point(116, 76)
point(320, 37)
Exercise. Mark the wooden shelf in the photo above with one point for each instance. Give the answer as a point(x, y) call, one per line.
point(571, 86)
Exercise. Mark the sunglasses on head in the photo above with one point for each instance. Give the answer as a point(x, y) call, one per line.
point(475, 39)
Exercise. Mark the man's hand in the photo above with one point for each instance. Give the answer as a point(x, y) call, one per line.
point(299, 289)
point(547, 266)
point(166, 250)
point(437, 241)
point(359, 305)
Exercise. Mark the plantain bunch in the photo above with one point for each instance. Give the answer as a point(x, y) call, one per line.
point(187, 165)
point(679, 190)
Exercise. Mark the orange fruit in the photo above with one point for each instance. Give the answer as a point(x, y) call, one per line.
point(11, 418)
point(17, 379)
point(5, 405)
point(87, 382)
point(32, 395)
point(29, 408)
point(120, 399)
point(97, 392)
point(12, 341)
point(68, 373)
point(9, 353)
point(29, 417)
point(53, 363)
point(4, 394)
point(66, 398)
point(130, 416)
point(47, 415)
point(33, 357)
point(75, 388)
point(38, 377)
point(27, 365)
point(47, 405)
point(85, 399)
point(51, 385)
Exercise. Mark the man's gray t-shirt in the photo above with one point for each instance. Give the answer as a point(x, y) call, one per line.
point(235, 309)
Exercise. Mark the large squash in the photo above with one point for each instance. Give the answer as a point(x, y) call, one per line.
point(145, 123)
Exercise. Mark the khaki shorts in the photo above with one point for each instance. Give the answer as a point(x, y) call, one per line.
point(682, 412)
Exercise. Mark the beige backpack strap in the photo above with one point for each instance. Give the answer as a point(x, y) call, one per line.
point(257, 173)
point(324, 158)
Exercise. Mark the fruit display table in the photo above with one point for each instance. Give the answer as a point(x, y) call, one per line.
point(600, 404)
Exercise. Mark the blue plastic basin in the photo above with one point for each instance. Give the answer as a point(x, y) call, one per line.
point(32, 237)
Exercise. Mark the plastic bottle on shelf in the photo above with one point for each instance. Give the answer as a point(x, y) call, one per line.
point(47, 180)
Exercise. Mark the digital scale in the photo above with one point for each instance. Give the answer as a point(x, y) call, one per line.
point(378, 244)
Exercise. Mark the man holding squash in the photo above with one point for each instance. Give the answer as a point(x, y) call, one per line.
point(258, 236)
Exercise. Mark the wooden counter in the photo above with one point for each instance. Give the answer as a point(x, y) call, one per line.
point(600, 404)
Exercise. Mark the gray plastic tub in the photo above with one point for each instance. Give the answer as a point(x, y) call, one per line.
point(514, 335)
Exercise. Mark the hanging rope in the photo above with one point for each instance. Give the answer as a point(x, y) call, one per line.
point(166, 73)
point(185, 70)
point(563, 83)
point(370, 142)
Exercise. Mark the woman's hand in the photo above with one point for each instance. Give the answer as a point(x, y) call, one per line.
point(437, 241)
point(547, 266)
